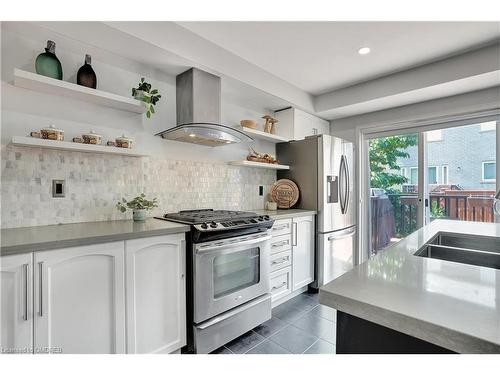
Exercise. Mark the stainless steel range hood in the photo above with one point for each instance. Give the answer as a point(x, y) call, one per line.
point(198, 112)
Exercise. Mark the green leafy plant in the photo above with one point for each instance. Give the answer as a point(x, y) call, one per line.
point(151, 96)
point(437, 211)
point(384, 154)
point(138, 203)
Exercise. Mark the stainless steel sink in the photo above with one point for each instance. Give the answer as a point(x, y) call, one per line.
point(475, 250)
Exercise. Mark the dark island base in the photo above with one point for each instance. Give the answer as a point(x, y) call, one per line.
point(359, 336)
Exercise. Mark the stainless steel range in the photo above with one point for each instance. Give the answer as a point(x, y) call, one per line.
point(228, 289)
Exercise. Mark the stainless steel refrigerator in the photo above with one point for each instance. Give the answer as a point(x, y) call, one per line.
point(322, 167)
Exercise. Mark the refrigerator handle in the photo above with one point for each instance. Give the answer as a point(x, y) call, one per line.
point(342, 184)
point(347, 184)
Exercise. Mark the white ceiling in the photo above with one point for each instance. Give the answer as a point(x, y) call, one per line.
point(322, 56)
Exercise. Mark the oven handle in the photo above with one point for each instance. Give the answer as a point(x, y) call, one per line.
point(233, 244)
point(232, 312)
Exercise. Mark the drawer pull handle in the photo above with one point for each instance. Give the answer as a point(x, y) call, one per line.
point(40, 291)
point(26, 282)
point(279, 244)
point(282, 260)
point(279, 286)
point(280, 227)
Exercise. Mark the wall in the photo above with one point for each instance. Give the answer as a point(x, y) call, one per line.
point(399, 117)
point(183, 176)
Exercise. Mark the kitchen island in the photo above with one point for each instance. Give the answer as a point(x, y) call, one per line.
point(398, 302)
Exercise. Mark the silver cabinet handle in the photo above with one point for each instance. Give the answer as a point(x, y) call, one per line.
point(280, 227)
point(40, 288)
point(282, 260)
point(279, 286)
point(26, 282)
point(294, 234)
point(279, 244)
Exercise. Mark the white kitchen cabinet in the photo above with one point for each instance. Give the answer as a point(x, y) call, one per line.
point(156, 294)
point(296, 124)
point(302, 251)
point(79, 303)
point(16, 288)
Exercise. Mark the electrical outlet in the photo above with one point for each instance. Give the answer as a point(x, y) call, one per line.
point(58, 188)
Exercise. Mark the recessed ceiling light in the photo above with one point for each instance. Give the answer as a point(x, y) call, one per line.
point(364, 50)
point(192, 135)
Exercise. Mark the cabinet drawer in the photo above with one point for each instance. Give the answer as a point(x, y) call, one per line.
point(281, 260)
point(281, 283)
point(281, 243)
point(280, 227)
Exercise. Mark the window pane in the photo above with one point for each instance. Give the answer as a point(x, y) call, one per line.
point(432, 175)
point(489, 172)
point(465, 186)
point(414, 176)
point(233, 272)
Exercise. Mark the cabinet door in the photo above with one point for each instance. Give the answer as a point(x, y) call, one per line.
point(156, 294)
point(303, 251)
point(303, 125)
point(16, 325)
point(79, 299)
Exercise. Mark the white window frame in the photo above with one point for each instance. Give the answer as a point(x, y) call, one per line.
point(445, 174)
point(489, 180)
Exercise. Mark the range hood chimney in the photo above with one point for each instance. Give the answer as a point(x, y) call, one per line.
point(198, 96)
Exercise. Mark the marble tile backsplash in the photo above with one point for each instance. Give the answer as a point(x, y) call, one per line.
point(95, 182)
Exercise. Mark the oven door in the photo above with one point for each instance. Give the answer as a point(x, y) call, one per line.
point(228, 273)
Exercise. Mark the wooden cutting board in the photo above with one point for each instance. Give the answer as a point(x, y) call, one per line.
point(285, 193)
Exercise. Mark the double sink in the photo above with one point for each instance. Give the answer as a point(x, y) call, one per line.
point(469, 249)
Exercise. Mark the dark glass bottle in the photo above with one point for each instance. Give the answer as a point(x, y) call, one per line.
point(86, 75)
point(47, 63)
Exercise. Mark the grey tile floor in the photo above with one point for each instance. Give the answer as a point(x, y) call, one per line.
point(300, 325)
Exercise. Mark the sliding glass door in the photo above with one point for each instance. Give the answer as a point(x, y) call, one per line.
point(415, 178)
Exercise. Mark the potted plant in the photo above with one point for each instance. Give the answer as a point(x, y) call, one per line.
point(149, 96)
point(139, 205)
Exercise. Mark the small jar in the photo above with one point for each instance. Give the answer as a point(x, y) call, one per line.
point(92, 138)
point(124, 142)
point(52, 133)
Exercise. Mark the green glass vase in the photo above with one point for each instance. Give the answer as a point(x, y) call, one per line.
point(47, 64)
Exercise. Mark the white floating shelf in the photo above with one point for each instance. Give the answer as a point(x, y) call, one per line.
point(37, 82)
point(73, 146)
point(255, 164)
point(254, 133)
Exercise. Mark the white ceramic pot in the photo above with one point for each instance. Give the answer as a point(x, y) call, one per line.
point(139, 215)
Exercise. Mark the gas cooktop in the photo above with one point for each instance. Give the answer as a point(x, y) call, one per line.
point(213, 220)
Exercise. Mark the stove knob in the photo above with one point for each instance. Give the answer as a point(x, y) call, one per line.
point(253, 221)
point(260, 218)
point(204, 225)
point(213, 224)
point(266, 217)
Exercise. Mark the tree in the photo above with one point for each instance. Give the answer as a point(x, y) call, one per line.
point(384, 153)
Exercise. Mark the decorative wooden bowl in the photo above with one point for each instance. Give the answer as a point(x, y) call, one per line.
point(249, 124)
point(285, 193)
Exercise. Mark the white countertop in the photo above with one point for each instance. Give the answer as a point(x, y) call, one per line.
point(453, 305)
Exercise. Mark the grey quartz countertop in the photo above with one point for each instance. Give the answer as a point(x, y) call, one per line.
point(453, 305)
point(285, 214)
point(49, 237)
